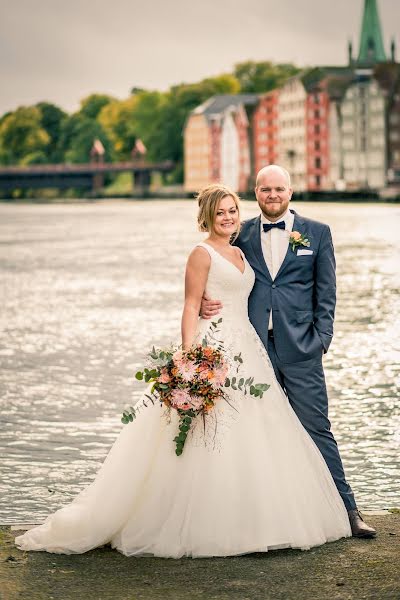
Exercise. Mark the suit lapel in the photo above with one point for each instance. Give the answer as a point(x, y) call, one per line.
point(298, 225)
point(255, 238)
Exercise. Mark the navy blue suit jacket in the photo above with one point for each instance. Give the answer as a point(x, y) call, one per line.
point(302, 295)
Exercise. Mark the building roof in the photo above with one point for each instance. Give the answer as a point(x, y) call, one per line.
point(217, 105)
point(334, 80)
point(388, 76)
point(371, 39)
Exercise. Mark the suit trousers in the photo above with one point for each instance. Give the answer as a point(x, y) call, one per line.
point(304, 385)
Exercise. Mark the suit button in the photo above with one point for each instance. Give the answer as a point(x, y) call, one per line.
point(273, 286)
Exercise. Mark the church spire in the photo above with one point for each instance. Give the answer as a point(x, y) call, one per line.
point(371, 41)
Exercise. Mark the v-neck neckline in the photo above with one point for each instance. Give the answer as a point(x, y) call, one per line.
point(228, 261)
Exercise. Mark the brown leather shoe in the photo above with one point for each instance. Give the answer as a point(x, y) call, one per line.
point(359, 528)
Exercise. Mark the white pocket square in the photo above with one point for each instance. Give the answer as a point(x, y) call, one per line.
point(304, 252)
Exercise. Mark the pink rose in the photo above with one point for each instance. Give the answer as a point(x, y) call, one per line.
point(177, 357)
point(219, 376)
point(187, 370)
point(180, 399)
point(196, 402)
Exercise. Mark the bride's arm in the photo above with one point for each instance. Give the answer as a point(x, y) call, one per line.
point(197, 268)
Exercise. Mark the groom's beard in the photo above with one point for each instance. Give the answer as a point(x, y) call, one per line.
point(279, 211)
point(273, 210)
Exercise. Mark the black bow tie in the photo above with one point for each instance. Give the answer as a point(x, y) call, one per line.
point(268, 226)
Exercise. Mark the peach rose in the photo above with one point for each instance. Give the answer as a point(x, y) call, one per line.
point(164, 376)
point(295, 236)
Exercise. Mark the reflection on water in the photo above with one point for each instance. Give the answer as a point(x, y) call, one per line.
point(86, 289)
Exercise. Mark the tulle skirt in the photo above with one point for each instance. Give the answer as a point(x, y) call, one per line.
point(250, 479)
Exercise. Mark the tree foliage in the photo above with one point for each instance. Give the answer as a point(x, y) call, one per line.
point(259, 77)
point(52, 118)
point(93, 104)
point(45, 133)
point(77, 136)
point(118, 122)
point(23, 139)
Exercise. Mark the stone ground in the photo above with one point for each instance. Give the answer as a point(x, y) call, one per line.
point(345, 570)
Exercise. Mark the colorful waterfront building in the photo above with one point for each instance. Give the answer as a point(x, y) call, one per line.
point(265, 131)
point(217, 142)
point(292, 131)
point(364, 135)
point(366, 109)
point(325, 87)
point(332, 127)
point(393, 141)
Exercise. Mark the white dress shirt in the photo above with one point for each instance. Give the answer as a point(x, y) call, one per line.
point(274, 244)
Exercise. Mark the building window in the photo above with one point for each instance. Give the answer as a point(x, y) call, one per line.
point(317, 129)
point(317, 162)
point(318, 180)
point(317, 145)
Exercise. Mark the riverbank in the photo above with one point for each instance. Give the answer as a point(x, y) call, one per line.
point(349, 569)
point(178, 193)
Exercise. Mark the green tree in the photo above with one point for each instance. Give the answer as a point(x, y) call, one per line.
point(259, 77)
point(23, 139)
point(147, 112)
point(118, 121)
point(52, 118)
point(91, 105)
point(77, 136)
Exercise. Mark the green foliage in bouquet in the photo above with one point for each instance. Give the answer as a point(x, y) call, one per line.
point(191, 382)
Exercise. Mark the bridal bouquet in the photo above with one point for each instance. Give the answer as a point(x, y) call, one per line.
point(191, 382)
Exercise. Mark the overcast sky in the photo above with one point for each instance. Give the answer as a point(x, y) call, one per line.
point(62, 50)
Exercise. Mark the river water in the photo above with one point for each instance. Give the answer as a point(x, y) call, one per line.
point(86, 289)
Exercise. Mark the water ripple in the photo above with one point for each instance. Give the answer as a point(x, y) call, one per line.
point(86, 289)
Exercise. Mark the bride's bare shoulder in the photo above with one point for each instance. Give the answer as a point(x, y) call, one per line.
point(199, 258)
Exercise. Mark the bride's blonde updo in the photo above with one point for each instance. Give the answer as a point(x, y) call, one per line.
point(208, 199)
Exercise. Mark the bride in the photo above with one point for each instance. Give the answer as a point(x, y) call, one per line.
point(260, 484)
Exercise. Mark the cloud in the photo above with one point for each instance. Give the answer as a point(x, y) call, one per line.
point(62, 51)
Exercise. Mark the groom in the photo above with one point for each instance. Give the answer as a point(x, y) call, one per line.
point(292, 308)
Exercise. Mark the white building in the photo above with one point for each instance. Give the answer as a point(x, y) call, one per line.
point(363, 139)
point(292, 131)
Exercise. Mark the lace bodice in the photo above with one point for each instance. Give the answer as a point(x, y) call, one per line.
point(226, 283)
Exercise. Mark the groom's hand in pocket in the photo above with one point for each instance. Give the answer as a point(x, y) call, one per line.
point(209, 308)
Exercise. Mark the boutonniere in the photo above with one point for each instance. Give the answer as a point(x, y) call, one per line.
point(297, 239)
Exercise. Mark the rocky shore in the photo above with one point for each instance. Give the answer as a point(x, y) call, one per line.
point(345, 570)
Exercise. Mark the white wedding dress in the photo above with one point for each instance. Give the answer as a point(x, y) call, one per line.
point(251, 482)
